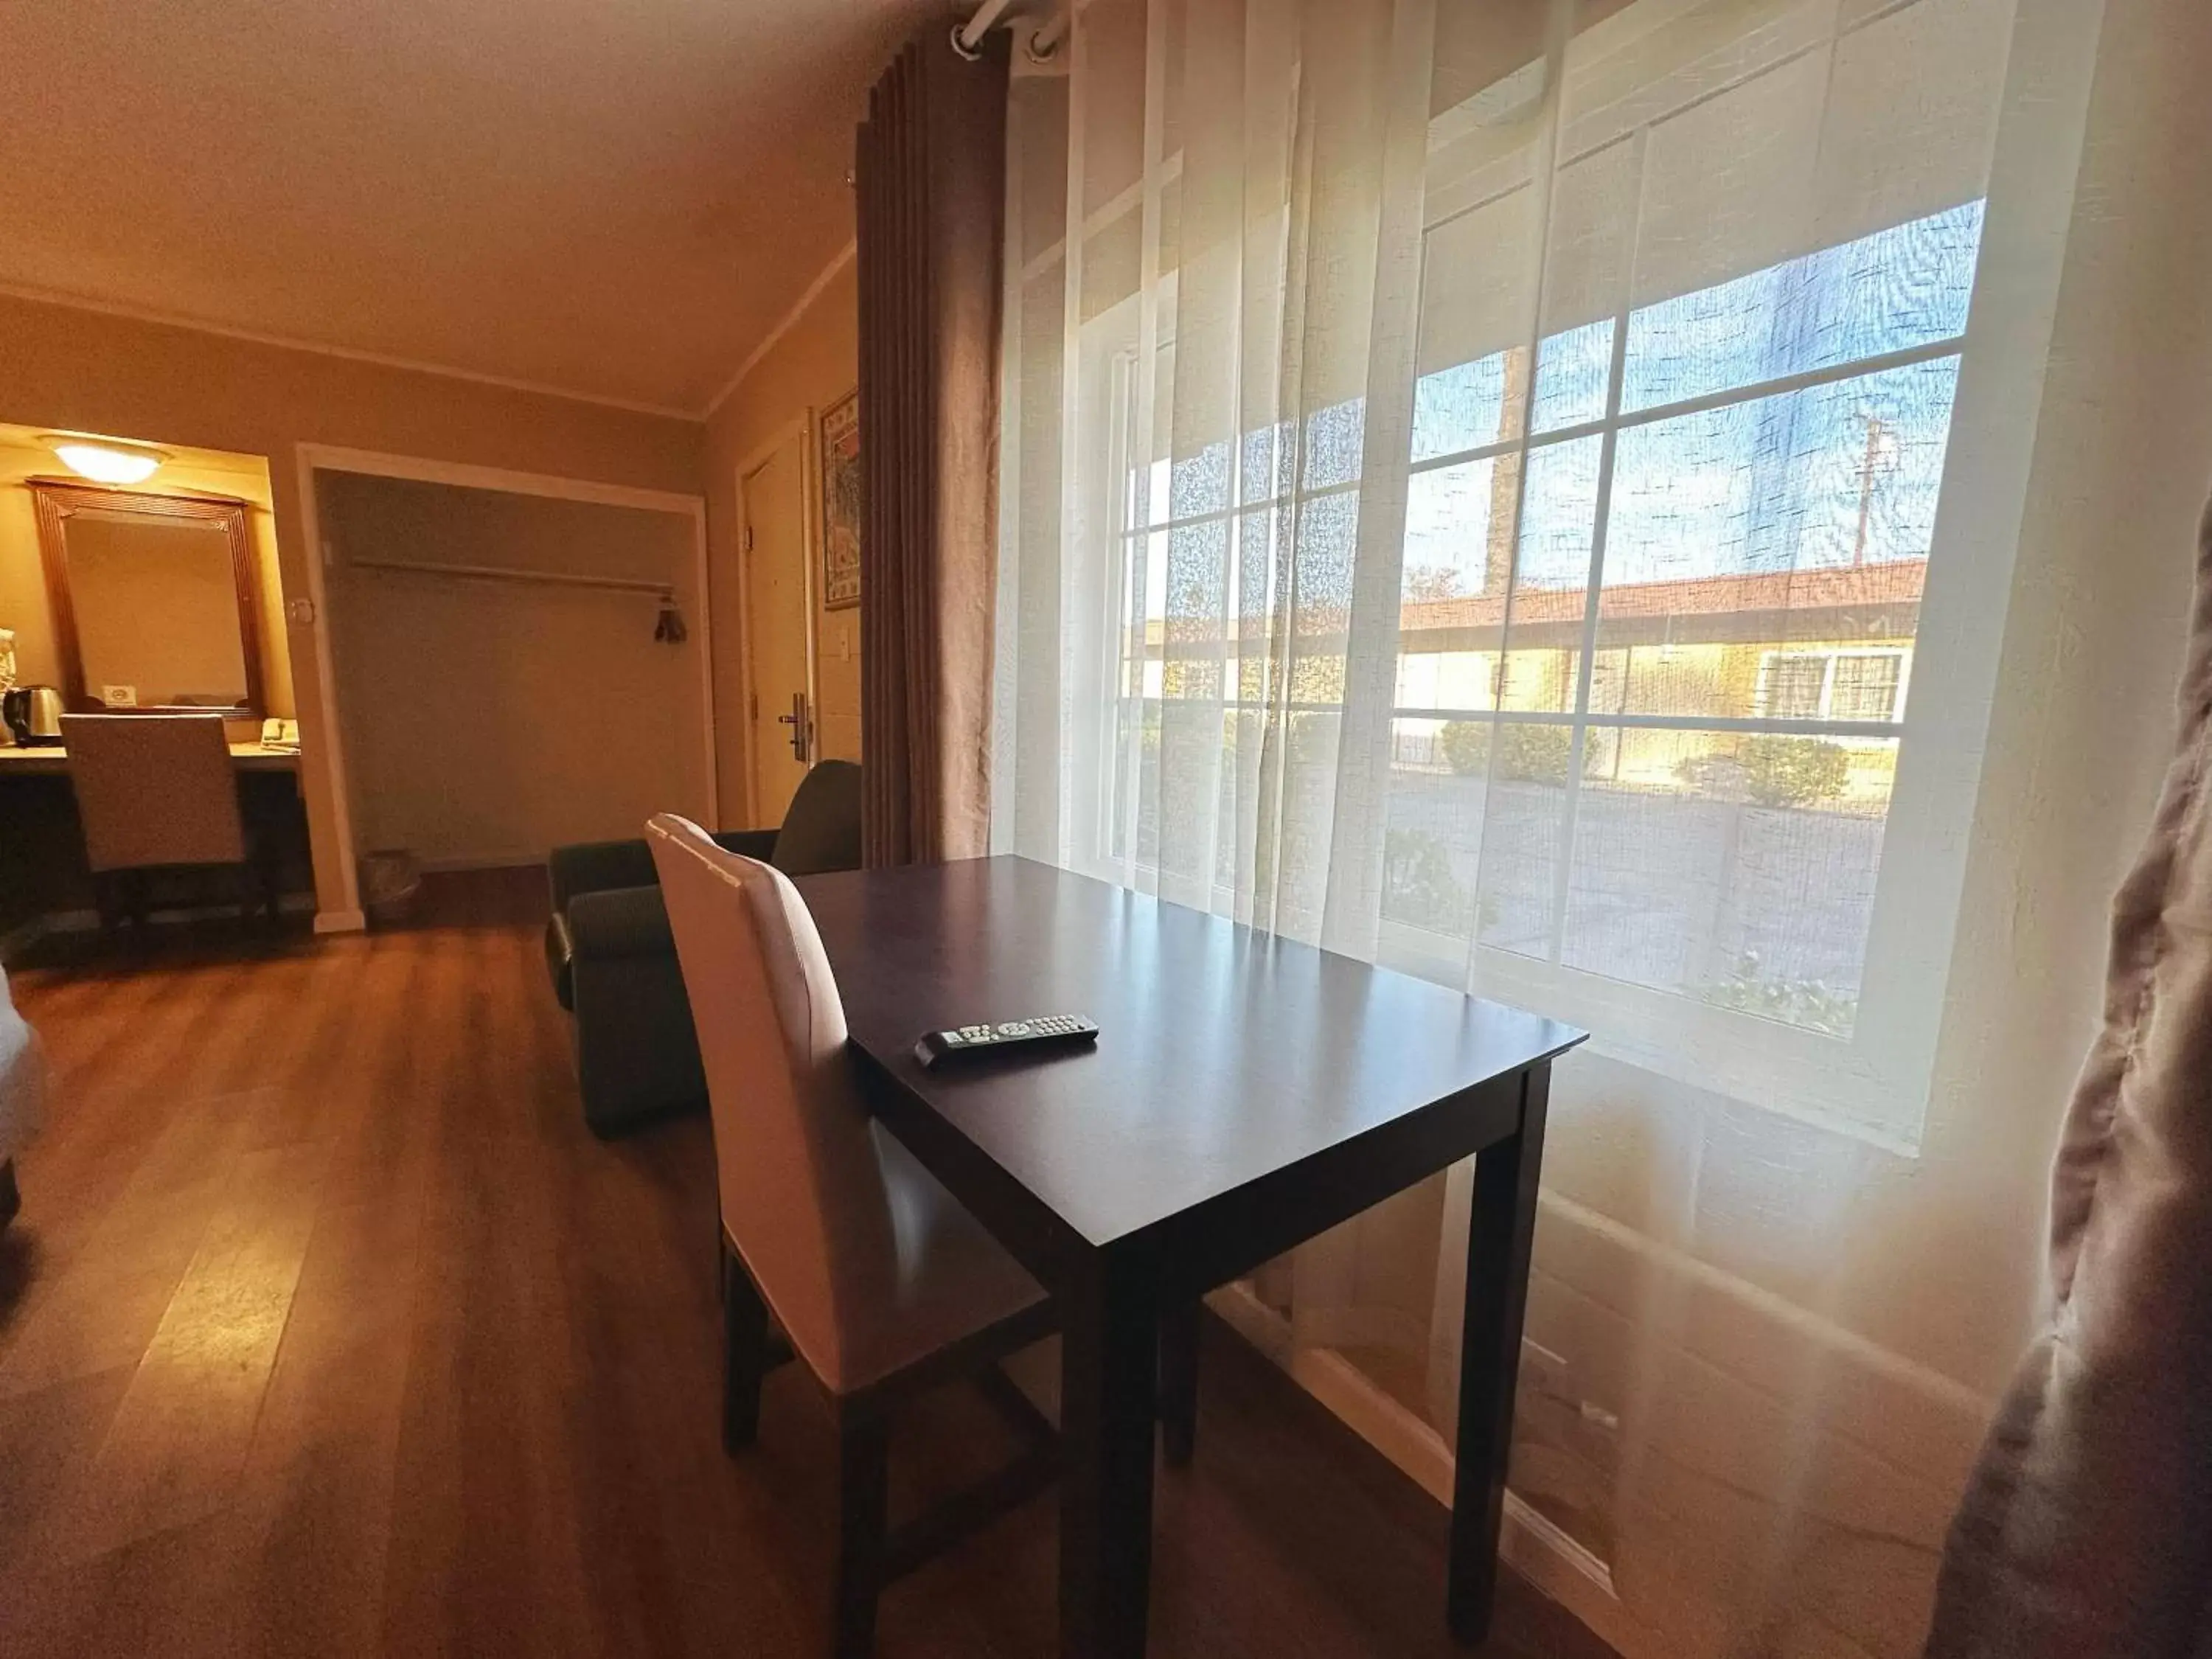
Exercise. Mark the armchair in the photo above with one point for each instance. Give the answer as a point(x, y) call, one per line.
point(612, 958)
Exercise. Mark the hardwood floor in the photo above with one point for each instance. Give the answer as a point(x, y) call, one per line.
point(327, 1328)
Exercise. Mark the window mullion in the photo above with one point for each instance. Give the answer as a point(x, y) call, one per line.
point(1594, 597)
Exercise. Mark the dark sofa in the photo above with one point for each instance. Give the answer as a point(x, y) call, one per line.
point(613, 960)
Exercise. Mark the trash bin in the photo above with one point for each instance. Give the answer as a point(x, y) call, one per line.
point(391, 881)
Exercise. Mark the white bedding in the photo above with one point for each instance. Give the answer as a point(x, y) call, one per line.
point(22, 1077)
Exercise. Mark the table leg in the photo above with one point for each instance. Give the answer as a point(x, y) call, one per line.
point(1179, 1383)
point(1503, 1227)
point(1109, 1345)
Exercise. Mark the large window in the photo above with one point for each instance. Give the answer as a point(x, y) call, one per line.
point(1554, 623)
point(1654, 620)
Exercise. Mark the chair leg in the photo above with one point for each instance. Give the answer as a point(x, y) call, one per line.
point(863, 1497)
point(105, 898)
point(744, 1353)
point(1178, 1383)
point(269, 876)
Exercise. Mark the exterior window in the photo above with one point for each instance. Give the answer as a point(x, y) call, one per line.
point(1831, 685)
point(1864, 687)
point(1796, 687)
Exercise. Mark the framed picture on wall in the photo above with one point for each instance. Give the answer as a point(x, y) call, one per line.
point(840, 503)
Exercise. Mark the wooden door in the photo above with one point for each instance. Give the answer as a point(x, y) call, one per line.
point(779, 615)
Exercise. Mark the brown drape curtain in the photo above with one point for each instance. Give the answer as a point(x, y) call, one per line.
point(2085, 1532)
point(931, 186)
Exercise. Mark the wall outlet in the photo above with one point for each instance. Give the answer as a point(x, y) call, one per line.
point(1548, 1376)
point(1545, 1372)
point(119, 696)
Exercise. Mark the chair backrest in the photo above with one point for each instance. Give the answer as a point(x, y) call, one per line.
point(802, 1189)
point(821, 827)
point(154, 789)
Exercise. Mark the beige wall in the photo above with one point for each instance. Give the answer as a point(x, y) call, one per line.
point(86, 371)
point(815, 363)
point(23, 604)
point(488, 722)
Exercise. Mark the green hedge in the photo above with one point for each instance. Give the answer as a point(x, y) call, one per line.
point(1530, 754)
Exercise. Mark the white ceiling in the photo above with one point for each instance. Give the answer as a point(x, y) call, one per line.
point(616, 198)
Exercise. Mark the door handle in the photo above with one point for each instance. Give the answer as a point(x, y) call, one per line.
point(801, 727)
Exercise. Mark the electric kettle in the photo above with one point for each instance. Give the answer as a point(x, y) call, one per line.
point(34, 714)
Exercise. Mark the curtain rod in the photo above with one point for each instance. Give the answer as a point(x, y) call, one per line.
point(514, 573)
point(967, 37)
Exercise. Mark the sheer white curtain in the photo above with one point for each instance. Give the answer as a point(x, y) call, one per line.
point(1528, 491)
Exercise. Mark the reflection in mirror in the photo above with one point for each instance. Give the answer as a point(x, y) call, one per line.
point(157, 612)
point(153, 599)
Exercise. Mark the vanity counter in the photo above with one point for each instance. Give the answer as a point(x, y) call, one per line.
point(52, 760)
point(43, 870)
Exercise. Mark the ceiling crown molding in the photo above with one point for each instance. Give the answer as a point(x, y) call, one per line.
point(381, 360)
point(753, 359)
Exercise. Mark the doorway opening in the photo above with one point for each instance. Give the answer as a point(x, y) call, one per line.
point(517, 662)
point(782, 691)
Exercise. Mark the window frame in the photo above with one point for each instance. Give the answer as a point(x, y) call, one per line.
point(1869, 1084)
point(1829, 1079)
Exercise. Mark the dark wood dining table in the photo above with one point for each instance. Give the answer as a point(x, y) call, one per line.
point(1246, 1093)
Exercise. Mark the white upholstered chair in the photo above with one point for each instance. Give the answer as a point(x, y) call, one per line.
point(880, 1281)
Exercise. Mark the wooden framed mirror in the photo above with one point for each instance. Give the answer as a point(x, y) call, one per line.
point(154, 600)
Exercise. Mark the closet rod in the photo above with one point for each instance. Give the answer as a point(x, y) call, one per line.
point(499, 573)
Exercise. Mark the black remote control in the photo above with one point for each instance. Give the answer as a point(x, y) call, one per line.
point(1050, 1031)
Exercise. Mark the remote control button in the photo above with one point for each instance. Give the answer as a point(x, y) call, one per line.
point(953, 1037)
point(1014, 1028)
point(976, 1033)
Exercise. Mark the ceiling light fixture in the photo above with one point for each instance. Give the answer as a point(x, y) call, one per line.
point(105, 460)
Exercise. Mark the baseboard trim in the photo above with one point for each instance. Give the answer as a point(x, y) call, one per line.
point(22, 936)
point(1537, 1547)
point(25, 935)
point(459, 863)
